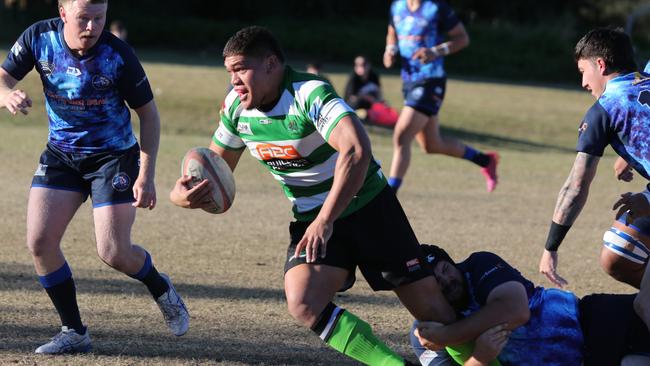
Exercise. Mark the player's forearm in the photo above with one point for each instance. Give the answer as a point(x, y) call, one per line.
point(7, 83)
point(349, 175)
point(575, 191)
point(149, 142)
point(455, 44)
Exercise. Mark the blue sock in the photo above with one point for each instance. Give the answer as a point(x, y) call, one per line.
point(394, 183)
point(476, 156)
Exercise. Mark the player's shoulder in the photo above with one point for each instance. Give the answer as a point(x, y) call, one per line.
point(304, 84)
point(117, 45)
point(483, 256)
point(44, 26)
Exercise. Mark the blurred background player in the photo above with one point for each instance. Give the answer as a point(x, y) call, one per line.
point(416, 32)
point(605, 58)
point(345, 213)
point(523, 324)
point(91, 151)
point(363, 87)
point(363, 94)
point(316, 68)
point(118, 29)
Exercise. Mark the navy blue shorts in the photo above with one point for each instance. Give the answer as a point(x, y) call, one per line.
point(425, 96)
point(107, 177)
point(378, 238)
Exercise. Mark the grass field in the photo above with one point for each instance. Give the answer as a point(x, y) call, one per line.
point(229, 267)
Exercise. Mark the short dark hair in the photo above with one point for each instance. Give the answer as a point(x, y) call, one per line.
point(434, 254)
point(64, 2)
point(612, 45)
point(253, 41)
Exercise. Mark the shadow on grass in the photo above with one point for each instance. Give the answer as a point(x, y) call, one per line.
point(16, 277)
point(163, 349)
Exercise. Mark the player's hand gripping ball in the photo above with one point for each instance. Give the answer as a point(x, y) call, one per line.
point(202, 163)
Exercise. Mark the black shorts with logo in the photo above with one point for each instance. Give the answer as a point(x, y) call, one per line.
point(425, 96)
point(377, 238)
point(107, 177)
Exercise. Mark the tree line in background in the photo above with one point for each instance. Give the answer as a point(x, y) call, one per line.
point(528, 40)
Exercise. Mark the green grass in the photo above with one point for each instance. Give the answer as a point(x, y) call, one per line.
point(229, 267)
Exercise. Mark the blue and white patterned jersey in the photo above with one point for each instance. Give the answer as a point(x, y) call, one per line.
point(552, 335)
point(84, 96)
point(620, 118)
point(424, 27)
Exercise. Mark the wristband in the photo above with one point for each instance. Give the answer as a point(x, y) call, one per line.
point(435, 51)
point(391, 48)
point(556, 234)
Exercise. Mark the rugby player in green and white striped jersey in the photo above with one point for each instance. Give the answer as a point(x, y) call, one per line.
point(345, 213)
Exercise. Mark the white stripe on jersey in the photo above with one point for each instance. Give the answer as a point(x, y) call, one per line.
point(223, 135)
point(309, 177)
point(304, 204)
point(283, 107)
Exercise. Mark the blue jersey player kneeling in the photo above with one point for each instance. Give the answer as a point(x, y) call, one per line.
point(88, 77)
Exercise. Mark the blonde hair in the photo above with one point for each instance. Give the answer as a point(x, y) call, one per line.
point(65, 2)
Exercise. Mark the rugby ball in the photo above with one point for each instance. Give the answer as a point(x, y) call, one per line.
point(202, 163)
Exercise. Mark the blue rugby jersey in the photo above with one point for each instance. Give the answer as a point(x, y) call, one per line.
point(552, 335)
point(425, 27)
point(84, 96)
point(620, 118)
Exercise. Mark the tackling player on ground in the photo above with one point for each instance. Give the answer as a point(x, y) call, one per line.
point(416, 33)
point(88, 76)
point(297, 127)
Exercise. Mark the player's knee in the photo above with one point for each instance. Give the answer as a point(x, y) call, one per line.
point(110, 256)
point(40, 246)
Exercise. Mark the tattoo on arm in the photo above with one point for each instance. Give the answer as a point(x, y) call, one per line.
point(575, 190)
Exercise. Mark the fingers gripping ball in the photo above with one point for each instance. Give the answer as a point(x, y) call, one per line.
point(202, 163)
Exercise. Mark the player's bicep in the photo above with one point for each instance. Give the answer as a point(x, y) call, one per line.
point(349, 134)
point(231, 157)
point(512, 300)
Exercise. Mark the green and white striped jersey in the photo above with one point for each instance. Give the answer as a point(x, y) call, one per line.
point(291, 141)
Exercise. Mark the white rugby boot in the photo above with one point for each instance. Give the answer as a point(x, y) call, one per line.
point(173, 309)
point(67, 341)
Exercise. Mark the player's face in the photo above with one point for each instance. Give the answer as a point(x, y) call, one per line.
point(452, 283)
point(593, 78)
point(84, 23)
point(250, 78)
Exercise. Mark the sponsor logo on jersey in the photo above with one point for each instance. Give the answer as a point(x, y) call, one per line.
point(73, 71)
point(270, 151)
point(281, 157)
point(644, 98)
point(101, 82)
point(16, 49)
point(490, 271)
point(321, 122)
point(121, 182)
point(583, 127)
point(244, 127)
point(265, 121)
point(40, 170)
point(46, 67)
point(413, 265)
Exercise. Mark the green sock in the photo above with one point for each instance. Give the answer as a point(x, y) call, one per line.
point(462, 352)
point(353, 337)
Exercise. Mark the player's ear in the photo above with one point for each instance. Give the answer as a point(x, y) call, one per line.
point(601, 65)
point(62, 14)
point(271, 63)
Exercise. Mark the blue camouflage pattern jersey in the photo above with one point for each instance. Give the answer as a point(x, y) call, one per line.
point(84, 96)
point(620, 118)
point(551, 337)
point(424, 27)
